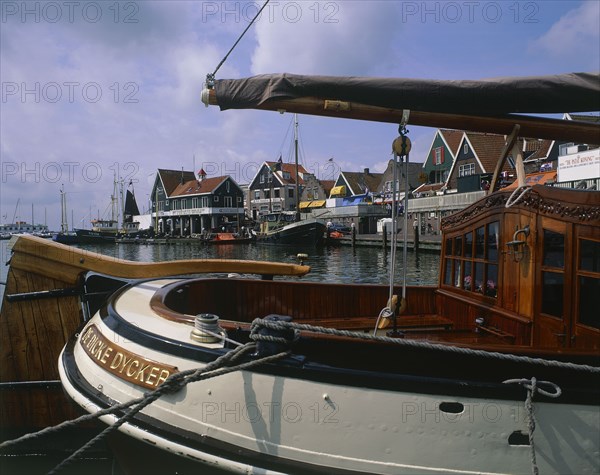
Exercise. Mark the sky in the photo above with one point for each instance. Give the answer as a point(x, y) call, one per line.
point(98, 88)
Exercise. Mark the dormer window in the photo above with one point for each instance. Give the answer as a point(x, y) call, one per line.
point(286, 175)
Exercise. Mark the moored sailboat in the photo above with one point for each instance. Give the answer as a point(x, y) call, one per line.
point(108, 230)
point(495, 370)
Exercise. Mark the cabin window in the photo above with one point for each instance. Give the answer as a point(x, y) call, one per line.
point(228, 201)
point(554, 249)
point(589, 282)
point(473, 265)
point(479, 242)
point(553, 262)
point(552, 293)
point(469, 245)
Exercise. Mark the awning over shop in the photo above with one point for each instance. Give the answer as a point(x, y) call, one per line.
point(317, 204)
point(305, 204)
point(338, 190)
point(535, 179)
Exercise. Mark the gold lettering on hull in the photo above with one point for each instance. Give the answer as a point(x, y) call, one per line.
point(123, 363)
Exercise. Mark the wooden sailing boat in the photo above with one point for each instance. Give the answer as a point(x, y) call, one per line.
point(510, 327)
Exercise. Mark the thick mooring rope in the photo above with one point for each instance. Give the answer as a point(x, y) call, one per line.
point(226, 364)
point(174, 383)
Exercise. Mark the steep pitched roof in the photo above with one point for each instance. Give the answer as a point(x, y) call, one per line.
point(291, 169)
point(171, 179)
point(453, 138)
point(197, 187)
point(360, 181)
point(488, 148)
point(542, 151)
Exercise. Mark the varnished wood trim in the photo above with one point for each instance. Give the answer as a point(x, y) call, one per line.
point(45, 257)
point(484, 305)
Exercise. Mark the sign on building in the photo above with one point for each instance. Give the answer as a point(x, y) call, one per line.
point(579, 166)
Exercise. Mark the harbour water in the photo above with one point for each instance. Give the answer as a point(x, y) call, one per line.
point(341, 264)
point(338, 264)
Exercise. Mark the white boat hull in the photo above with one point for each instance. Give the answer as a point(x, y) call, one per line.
point(277, 423)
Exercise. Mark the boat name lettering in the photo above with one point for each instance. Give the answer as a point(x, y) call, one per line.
point(123, 363)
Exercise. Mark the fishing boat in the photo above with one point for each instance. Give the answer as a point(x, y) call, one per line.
point(494, 370)
point(108, 230)
point(285, 228)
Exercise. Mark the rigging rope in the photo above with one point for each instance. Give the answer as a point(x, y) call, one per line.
point(222, 365)
point(532, 387)
point(210, 78)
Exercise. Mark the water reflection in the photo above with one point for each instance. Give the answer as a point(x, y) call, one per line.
point(343, 264)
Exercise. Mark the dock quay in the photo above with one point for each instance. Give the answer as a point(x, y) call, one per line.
point(428, 242)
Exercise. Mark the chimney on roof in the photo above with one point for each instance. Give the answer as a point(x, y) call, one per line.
point(366, 171)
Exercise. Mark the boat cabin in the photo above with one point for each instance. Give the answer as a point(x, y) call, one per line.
point(527, 271)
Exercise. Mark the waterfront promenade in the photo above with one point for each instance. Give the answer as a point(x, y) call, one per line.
point(426, 242)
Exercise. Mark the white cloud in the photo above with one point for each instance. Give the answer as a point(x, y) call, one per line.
point(576, 34)
point(337, 38)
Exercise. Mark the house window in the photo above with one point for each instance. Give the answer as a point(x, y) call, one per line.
point(290, 192)
point(286, 175)
point(204, 202)
point(466, 170)
point(227, 186)
point(438, 156)
point(262, 178)
point(471, 260)
point(175, 205)
point(216, 198)
point(276, 193)
point(257, 195)
point(268, 194)
point(194, 202)
point(228, 202)
point(466, 148)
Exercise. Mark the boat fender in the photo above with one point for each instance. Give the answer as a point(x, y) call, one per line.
point(267, 347)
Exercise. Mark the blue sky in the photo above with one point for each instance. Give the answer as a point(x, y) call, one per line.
point(89, 88)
